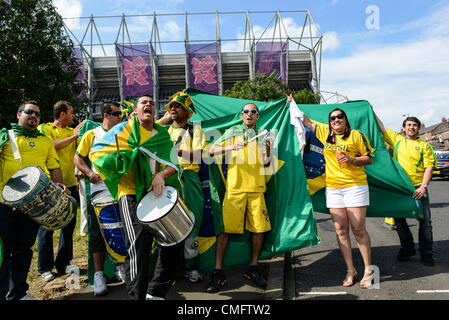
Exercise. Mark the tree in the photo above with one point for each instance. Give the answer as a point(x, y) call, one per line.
point(265, 87)
point(305, 96)
point(36, 60)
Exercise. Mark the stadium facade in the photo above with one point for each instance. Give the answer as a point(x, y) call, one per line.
point(300, 53)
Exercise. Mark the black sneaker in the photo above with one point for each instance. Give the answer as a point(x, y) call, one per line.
point(427, 260)
point(253, 274)
point(404, 255)
point(217, 281)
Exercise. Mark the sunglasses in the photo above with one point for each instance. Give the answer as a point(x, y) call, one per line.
point(176, 105)
point(248, 111)
point(338, 116)
point(31, 111)
point(115, 113)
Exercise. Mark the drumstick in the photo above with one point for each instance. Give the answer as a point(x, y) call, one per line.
point(118, 149)
point(260, 134)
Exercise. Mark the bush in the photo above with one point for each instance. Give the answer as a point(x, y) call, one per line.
point(265, 87)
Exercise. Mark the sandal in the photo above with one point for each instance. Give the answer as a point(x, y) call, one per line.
point(350, 277)
point(367, 283)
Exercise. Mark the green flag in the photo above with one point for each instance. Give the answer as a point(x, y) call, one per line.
point(287, 197)
point(389, 187)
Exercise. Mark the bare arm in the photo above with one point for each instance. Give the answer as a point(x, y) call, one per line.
point(419, 192)
point(59, 144)
point(166, 119)
point(380, 124)
point(56, 176)
point(158, 183)
point(309, 124)
point(220, 150)
point(84, 168)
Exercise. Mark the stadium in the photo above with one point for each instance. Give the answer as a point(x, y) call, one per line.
point(169, 63)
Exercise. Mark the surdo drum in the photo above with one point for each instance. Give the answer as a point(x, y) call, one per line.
point(108, 216)
point(166, 216)
point(33, 193)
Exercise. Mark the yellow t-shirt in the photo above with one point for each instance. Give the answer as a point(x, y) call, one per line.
point(246, 171)
point(86, 143)
point(65, 154)
point(34, 151)
point(355, 145)
point(187, 143)
point(414, 156)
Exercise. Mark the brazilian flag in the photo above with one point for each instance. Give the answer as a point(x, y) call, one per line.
point(287, 196)
point(389, 187)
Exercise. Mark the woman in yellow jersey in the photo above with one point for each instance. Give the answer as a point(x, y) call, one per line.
point(346, 152)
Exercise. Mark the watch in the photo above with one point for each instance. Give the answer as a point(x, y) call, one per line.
point(424, 185)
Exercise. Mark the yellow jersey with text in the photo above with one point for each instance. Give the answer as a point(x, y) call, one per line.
point(34, 151)
point(246, 172)
point(414, 156)
point(356, 144)
point(65, 154)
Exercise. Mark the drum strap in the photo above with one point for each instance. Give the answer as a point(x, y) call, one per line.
point(14, 147)
point(188, 127)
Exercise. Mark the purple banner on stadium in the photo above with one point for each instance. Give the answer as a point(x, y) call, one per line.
point(203, 67)
point(272, 56)
point(134, 63)
point(80, 76)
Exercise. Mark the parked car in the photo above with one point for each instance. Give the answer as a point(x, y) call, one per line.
point(442, 169)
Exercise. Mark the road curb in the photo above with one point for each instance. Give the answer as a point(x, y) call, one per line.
point(275, 281)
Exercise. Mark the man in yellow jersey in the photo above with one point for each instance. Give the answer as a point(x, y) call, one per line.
point(128, 192)
point(417, 159)
point(244, 202)
point(17, 231)
point(111, 113)
point(65, 139)
point(189, 143)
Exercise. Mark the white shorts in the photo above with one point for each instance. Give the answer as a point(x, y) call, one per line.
point(349, 197)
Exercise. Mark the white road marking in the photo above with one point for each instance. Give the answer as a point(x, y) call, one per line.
point(432, 291)
point(323, 293)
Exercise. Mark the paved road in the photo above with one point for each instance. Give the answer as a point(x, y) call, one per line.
point(317, 272)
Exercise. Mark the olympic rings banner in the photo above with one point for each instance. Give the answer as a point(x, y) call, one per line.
point(134, 63)
point(272, 56)
point(203, 68)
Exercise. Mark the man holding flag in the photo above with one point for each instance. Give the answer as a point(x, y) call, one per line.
point(244, 201)
point(125, 169)
point(417, 159)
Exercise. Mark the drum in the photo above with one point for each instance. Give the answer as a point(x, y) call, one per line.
point(32, 192)
point(108, 216)
point(166, 216)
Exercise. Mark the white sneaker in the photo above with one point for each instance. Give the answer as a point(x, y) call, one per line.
point(193, 276)
point(100, 288)
point(150, 297)
point(70, 268)
point(47, 276)
point(120, 272)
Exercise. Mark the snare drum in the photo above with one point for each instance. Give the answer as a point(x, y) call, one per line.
point(32, 192)
point(108, 216)
point(166, 216)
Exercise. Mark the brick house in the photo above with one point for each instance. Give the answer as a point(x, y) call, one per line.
point(437, 135)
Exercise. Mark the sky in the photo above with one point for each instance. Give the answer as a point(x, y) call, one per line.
point(395, 54)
